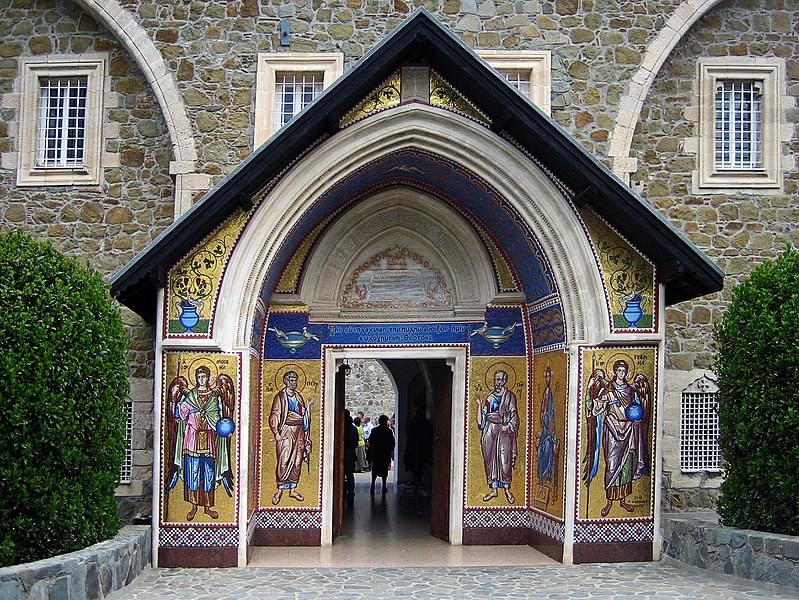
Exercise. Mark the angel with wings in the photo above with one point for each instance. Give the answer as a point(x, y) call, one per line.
point(199, 424)
point(618, 415)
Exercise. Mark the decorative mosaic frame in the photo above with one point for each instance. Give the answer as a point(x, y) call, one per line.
point(228, 233)
point(467, 416)
point(608, 300)
point(547, 525)
point(198, 537)
point(497, 518)
point(534, 246)
point(642, 530)
point(288, 519)
point(166, 525)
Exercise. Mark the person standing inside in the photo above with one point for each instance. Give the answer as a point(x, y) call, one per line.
point(290, 422)
point(360, 450)
point(498, 419)
point(367, 425)
point(381, 448)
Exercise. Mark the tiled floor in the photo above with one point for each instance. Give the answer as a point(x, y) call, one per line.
point(381, 531)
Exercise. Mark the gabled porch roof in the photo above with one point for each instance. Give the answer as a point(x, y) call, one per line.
point(686, 271)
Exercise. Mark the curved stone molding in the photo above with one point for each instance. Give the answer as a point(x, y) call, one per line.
point(138, 43)
point(630, 106)
point(537, 201)
point(407, 219)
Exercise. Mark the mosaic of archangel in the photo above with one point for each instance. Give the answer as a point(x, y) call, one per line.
point(616, 440)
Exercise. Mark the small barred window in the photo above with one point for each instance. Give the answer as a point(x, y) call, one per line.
point(699, 427)
point(126, 470)
point(293, 92)
point(61, 135)
point(738, 125)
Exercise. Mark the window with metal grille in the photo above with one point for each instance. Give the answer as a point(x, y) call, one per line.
point(61, 135)
point(293, 92)
point(518, 79)
point(738, 124)
point(126, 470)
point(699, 427)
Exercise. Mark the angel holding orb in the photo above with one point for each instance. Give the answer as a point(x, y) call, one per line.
point(199, 425)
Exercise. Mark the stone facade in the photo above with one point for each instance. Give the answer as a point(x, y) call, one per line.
point(209, 50)
point(369, 388)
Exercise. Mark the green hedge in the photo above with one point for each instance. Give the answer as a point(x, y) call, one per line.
point(63, 382)
point(758, 369)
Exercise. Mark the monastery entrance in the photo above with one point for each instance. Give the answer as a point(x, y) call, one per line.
point(422, 208)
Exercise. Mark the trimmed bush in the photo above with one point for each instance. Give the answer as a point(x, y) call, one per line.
point(63, 382)
point(758, 369)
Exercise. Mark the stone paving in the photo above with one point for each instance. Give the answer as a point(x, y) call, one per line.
point(638, 580)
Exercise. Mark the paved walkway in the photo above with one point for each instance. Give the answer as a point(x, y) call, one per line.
point(629, 580)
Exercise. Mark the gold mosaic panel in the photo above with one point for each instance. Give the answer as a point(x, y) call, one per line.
point(286, 443)
point(502, 430)
point(388, 95)
point(617, 417)
point(198, 465)
point(549, 437)
point(629, 278)
point(442, 94)
point(194, 283)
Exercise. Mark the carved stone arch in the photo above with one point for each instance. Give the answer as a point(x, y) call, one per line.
point(149, 60)
point(410, 220)
point(657, 52)
point(534, 197)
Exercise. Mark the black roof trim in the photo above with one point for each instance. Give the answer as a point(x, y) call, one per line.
point(685, 270)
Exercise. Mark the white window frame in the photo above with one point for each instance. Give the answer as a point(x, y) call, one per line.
point(769, 73)
point(331, 64)
point(538, 66)
point(94, 68)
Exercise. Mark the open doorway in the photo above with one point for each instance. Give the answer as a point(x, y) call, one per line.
point(387, 531)
point(434, 380)
point(415, 502)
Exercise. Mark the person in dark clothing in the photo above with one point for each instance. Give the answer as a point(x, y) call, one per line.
point(419, 443)
point(350, 444)
point(381, 447)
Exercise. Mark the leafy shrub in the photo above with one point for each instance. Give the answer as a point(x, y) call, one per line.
point(63, 381)
point(758, 369)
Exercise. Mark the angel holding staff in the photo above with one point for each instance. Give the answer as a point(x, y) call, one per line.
point(618, 415)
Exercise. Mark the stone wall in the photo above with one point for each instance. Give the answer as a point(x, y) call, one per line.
point(93, 572)
point(698, 540)
point(107, 224)
point(369, 388)
point(736, 231)
point(210, 49)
